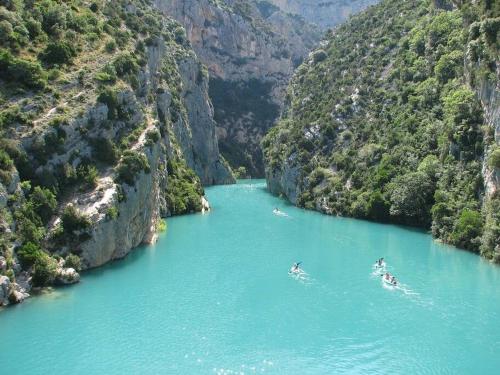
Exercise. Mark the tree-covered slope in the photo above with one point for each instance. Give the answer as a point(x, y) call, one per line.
point(384, 122)
point(105, 126)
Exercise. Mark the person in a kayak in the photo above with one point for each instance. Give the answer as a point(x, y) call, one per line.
point(295, 267)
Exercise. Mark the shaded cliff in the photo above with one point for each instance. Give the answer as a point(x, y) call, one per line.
point(324, 13)
point(251, 49)
point(105, 125)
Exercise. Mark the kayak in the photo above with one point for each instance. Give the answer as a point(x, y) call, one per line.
point(389, 282)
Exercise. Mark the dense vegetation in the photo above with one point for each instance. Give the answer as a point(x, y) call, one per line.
point(384, 123)
point(60, 61)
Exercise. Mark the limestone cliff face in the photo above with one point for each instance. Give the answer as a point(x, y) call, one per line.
point(251, 49)
point(113, 150)
point(202, 150)
point(324, 13)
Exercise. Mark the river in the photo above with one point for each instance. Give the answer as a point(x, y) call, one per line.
point(214, 296)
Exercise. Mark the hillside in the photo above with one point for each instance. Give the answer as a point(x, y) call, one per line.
point(105, 126)
point(395, 118)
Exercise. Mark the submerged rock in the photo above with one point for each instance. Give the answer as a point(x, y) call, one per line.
point(205, 205)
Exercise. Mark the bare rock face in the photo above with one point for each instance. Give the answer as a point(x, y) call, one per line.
point(325, 14)
point(202, 150)
point(67, 276)
point(284, 182)
point(251, 49)
point(4, 290)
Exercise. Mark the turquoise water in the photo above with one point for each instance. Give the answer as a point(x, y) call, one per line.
point(213, 296)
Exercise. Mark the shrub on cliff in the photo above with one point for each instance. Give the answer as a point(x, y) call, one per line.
point(494, 160)
point(72, 220)
point(44, 203)
point(109, 97)
point(104, 150)
point(73, 261)
point(184, 189)
point(44, 270)
point(60, 52)
point(131, 164)
point(27, 73)
point(28, 254)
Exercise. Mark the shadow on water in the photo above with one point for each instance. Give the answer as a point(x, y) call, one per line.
point(132, 257)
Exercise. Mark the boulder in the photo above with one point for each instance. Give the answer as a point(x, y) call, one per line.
point(67, 276)
point(16, 297)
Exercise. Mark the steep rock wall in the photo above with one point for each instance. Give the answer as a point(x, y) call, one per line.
point(251, 49)
point(324, 13)
point(94, 162)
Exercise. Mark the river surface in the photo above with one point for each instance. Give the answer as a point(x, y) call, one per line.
point(214, 296)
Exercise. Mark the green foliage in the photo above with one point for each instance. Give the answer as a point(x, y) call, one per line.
point(44, 203)
point(131, 164)
point(152, 136)
point(490, 246)
point(412, 198)
point(16, 70)
point(28, 254)
point(40, 45)
point(494, 159)
point(6, 162)
point(88, 175)
point(468, 228)
point(60, 52)
point(72, 220)
point(104, 150)
point(184, 189)
point(109, 97)
point(110, 46)
point(387, 107)
point(45, 270)
point(107, 74)
point(240, 172)
point(30, 226)
point(125, 64)
point(112, 213)
point(73, 261)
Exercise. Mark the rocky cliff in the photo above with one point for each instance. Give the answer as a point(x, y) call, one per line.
point(395, 118)
point(324, 13)
point(102, 122)
point(251, 49)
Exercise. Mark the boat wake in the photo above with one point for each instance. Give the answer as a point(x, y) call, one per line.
point(301, 276)
point(280, 213)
